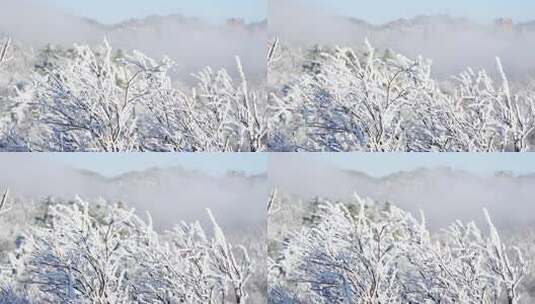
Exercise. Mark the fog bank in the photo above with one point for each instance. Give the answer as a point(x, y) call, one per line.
point(171, 195)
point(452, 43)
point(193, 43)
point(444, 194)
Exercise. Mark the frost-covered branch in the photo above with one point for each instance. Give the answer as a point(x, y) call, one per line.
point(272, 206)
point(218, 115)
point(273, 55)
point(5, 54)
point(3, 202)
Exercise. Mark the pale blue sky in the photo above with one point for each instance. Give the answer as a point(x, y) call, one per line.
point(380, 164)
point(113, 11)
point(376, 11)
point(380, 11)
point(375, 164)
point(112, 164)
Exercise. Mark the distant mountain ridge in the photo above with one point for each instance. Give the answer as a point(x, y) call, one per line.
point(155, 175)
point(445, 194)
point(426, 172)
point(155, 20)
point(170, 194)
point(193, 43)
point(430, 21)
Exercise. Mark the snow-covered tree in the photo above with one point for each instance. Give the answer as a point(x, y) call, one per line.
point(88, 103)
point(191, 268)
point(364, 252)
point(79, 260)
point(346, 100)
point(218, 115)
point(97, 99)
point(103, 253)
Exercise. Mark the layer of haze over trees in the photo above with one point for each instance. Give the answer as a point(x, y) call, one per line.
point(443, 191)
point(192, 42)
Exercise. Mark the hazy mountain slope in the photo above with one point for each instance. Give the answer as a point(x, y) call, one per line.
point(452, 43)
point(444, 194)
point(193, 43)
point(171, 194)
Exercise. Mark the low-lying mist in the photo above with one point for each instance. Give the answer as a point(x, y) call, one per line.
point(452, 43)
point(443, 194)
point(171, 195)
point(192, 43)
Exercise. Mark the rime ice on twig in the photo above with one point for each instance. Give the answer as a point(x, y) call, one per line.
point(3, 201)
point(4, 51)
